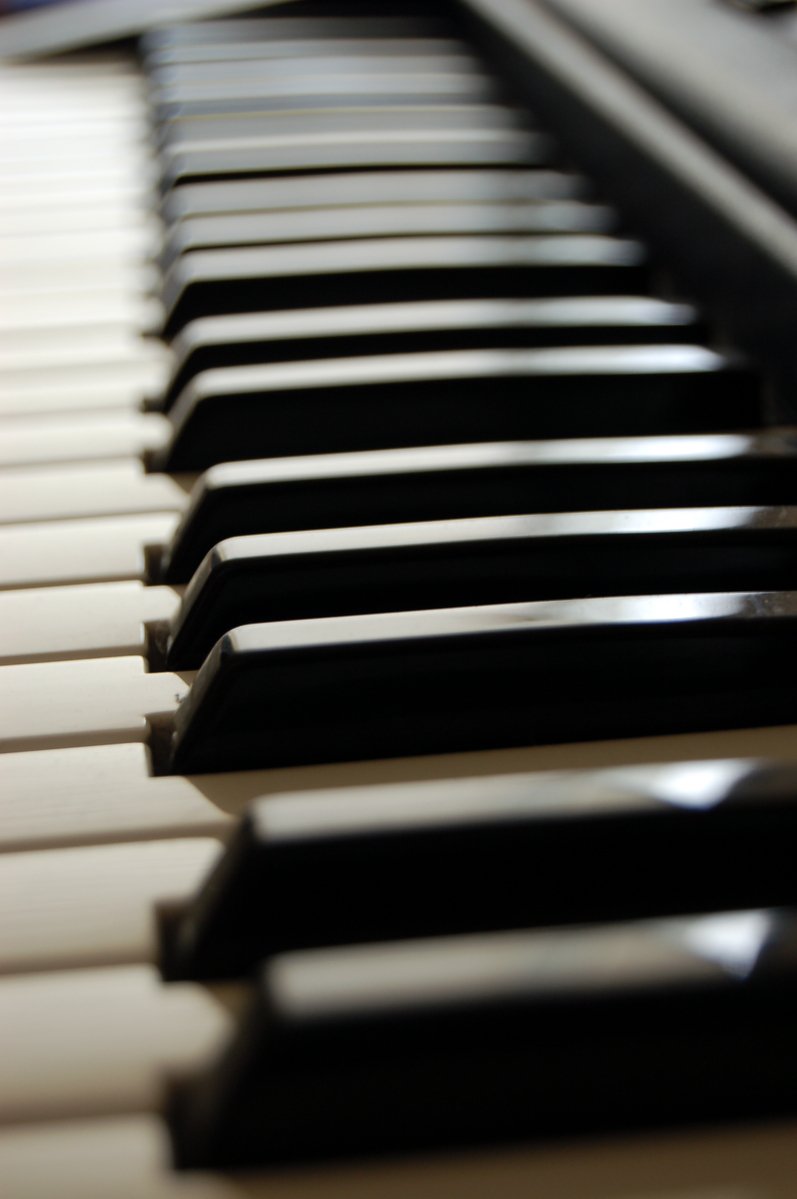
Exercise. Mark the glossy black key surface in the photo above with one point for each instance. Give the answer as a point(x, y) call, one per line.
point(391, 685)
point(276, 29)
point(454, 186)
point(484, 854)
point(199, 79)
point(384, 220)
point(334, 92)
point(212, 282)
point(487, 147)
point(445, 482)
point(193, 132)
point(514, 1035)
point(458, 396)
point(227, 49)
point(348, 330)
point(490, 560)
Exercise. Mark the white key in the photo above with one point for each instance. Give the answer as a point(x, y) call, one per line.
point(100, 549)
point(94, 1042)
point(42, 312)
point(100, 620)
point(80, 438)
point(85, 702)
point(25, 349)
point(80, 490)
point(106, 793)
point(139, 373)
point(125, 245)
point(79, 908)
point(128, 1157)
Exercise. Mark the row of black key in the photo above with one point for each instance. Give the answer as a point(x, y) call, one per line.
point(483, 302)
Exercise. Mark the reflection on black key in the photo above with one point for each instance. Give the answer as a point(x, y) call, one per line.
point(459, 396)
point(490, 147)
point(385, 220)
point(258, 75)
point(494, 559)
point(247, 48)
point(359, 687)
point(452, 186)
point(343, 332)
point(194, 132)
point(211, 282)
point(445, 482)
point(514, 851)
point(515, 1035)
point(275, 30)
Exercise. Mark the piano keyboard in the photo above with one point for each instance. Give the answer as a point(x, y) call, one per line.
point(373, 509)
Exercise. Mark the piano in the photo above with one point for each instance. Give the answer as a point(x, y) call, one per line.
point(397, 602)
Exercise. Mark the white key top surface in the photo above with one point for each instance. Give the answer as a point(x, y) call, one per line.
point(80, 490)
point(94, 1042)
point(77, 908)
point(82, 438)
point(104, 549)
point(96, 621)
point(85, 702)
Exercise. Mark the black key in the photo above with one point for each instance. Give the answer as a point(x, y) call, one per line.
point(454, 186)
point(226, 49)
point(212, 282)
point(384, 220)
point(304, 80)
point(459, 396)
point(273, 30)
point(446, 482)
point(427, 1044)
point(261, 75)
point(195, 132)
point(347, 331)
point(484, 854)
point(391, 685)
point(490, 560)
point(367, 98)
point(485, 147)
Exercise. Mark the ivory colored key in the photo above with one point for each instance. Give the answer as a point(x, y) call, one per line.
point(94, 621)
point(77, 491)
point(82, 702)
point(69, 909)
point(99, 549)
point(104, 344)
point(80, 437)
point(94, 1042)
point(106, 793)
